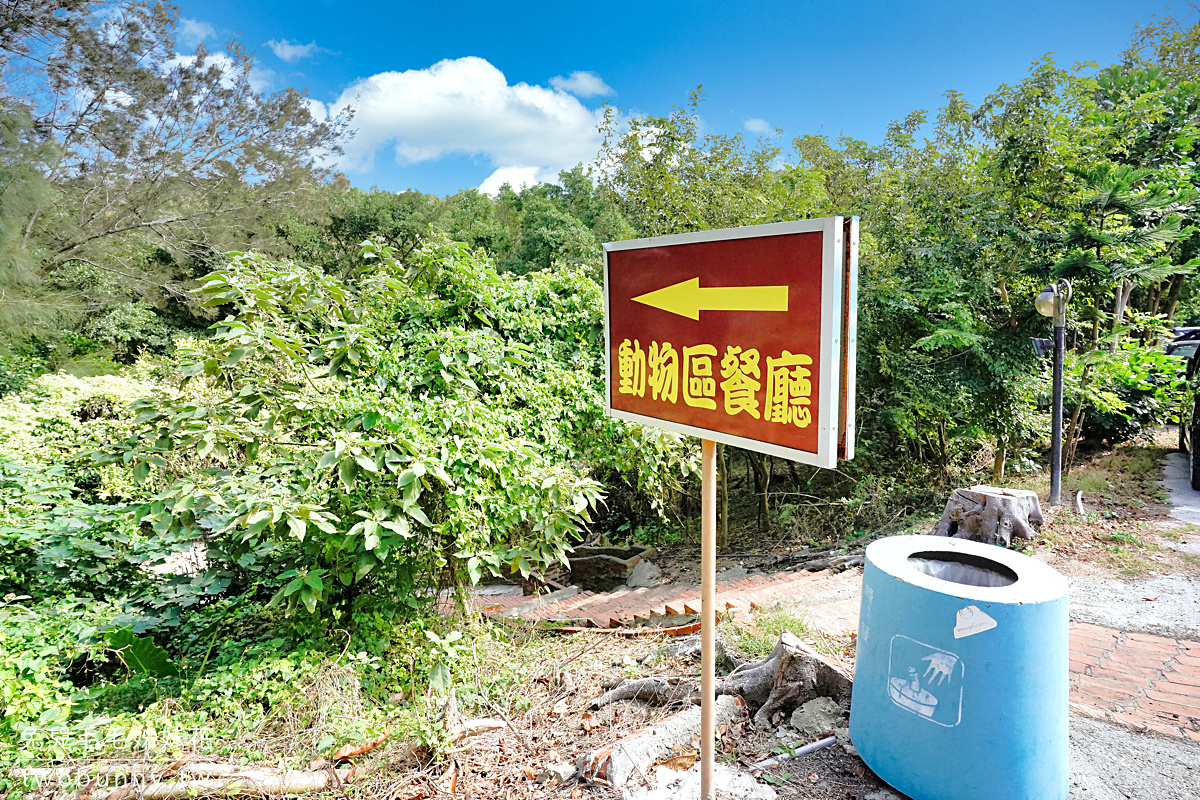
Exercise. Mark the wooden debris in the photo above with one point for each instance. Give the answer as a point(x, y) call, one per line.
point(448, 783)
point(256, 782)
point(676, 630)
point(346, 752)
point(660, 691)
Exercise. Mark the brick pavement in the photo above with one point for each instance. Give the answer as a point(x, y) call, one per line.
point(1146, 682)
point(830, 601)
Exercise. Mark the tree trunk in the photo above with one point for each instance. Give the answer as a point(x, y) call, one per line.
point(1173, 295)
point(1121, 298)
point(762, 484)
point(998, 462)
point(943, 450)
point(1155, 298)
point(1069, 456)
point(1074, 430)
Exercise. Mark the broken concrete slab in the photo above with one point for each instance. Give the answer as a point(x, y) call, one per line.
point(735, 573)
point(1166, 605)
point(556, 772)
point(883, 794)
point(1109, 762)
point(843, 737)
point(602, 569)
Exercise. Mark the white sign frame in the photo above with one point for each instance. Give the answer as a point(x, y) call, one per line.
point(835, 271)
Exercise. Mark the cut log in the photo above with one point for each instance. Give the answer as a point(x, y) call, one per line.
point(991, 515)
point(618, 762)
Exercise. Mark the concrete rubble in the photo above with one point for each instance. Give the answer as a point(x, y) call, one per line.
point(818, 717)
point(645, 574)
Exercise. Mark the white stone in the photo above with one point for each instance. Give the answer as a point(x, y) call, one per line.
point(727, 783)
point(560, 772)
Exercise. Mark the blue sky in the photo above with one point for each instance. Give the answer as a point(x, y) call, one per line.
point(453, 96)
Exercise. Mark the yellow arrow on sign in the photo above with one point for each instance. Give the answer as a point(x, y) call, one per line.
point(687, 299)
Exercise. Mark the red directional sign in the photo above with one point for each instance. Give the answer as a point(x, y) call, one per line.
point(743, 336)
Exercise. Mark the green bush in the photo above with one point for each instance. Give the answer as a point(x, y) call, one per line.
point(392, 431)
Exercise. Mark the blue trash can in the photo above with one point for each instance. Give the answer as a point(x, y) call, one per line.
point(960, 678)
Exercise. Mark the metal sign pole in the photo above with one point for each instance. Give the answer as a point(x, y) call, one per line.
point(708, 613)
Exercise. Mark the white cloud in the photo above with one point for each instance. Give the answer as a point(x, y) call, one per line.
point(193, 32)
point(262, 79)
point(291, 52)
point(467, 106)
point(517, 177)
point(756, 125)
point(582, 84)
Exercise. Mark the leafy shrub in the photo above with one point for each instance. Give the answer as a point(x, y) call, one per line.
point(1141, 387)
point(58, 416)
point(394, 430)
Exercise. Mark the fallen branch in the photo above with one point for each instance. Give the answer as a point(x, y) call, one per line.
point(346, 752)
point(520, 736)
point(248, 782)
point(145, 782)
point(184, 766)
point(659, 691)
point(474, 727)
point(690, 648)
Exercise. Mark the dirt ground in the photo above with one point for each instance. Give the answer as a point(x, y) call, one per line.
point(1129, 563)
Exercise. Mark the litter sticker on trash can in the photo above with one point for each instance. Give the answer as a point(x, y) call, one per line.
point(926, 681)
point(970, 621)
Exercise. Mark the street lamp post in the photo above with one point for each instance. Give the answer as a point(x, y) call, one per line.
point(1052, 302)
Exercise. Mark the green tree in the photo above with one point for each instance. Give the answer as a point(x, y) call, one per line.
point(163, 161)
point(664, 177)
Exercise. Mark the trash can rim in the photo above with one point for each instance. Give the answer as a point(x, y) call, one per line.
point(1037, 582)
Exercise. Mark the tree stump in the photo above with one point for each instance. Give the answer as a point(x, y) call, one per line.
point(991, 515)
point(790, 676)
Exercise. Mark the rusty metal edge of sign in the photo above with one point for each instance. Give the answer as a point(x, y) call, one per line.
point(839, 277)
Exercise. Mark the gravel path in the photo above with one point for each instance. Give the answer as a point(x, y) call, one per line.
point(1108, 762)
point(1165, 605)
